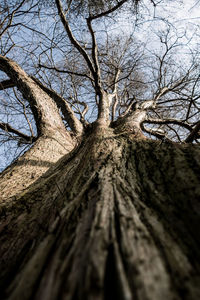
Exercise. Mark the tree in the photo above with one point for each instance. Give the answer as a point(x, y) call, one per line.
point(101, 207)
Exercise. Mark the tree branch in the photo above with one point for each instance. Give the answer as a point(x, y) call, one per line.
point(6, 84)
point(103, 14)
point(68, 113)
point(73, 40)
point(10, 16)
point(66, 71)
point(168, 121)
point(82, 113)
point(24, 111)
point(159, 134)
point(167, 89)
point(41, 103)
point(95, 56)
point(114, 91)
point(192, 95)
point(8, 128)
point(195, 132)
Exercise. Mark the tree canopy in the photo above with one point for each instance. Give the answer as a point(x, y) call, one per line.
point(134, 51)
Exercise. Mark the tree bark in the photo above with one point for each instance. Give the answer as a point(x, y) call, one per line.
point(53, 140)
point(117, 218)
point(29, 167)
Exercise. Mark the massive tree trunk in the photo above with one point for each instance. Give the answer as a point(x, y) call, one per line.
point(117, 218)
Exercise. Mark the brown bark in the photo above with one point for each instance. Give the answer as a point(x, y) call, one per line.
point(115, 219)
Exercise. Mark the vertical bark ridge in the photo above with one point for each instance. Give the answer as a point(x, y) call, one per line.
point(145, 270)
point(169, 196)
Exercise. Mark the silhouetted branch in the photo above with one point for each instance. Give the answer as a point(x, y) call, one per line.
point(8, 128)
point(6, 84)
point(195, 132)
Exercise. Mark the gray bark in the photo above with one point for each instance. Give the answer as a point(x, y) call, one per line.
point(117, 218)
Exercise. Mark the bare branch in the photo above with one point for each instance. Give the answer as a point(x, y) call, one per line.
point(167, 89)
point(24, 111)
point(6, 84)
point(8, 128)
point(132, 106)
point(85, 110)
point(97, 77)
point(155, 132)
point(10, 16)
point(105, 13)
point(73, 40)
point(193, 135)
point(114, 92)
point(192, 99)
point(40, 102)
point(116, 101)
point(68, 113)
point(168, 121)
point(65, 71)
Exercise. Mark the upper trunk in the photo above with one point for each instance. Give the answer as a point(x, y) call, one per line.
point(115, 219)
point(43, 107)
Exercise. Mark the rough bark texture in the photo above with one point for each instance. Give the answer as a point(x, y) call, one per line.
point(53, 140)
point(117, 218)
point(28, 168)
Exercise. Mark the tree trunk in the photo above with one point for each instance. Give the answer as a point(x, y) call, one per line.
point(117, 218)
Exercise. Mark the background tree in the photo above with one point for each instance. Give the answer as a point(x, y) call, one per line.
point(102, 198)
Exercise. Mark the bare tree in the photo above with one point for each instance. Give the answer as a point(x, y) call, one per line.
point(101, 201)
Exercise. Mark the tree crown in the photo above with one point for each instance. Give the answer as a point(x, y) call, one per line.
point(105, 61)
